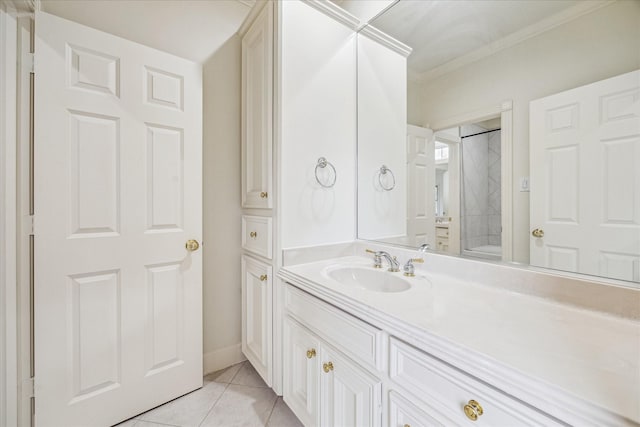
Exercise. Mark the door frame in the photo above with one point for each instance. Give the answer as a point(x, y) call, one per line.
point(505, 112)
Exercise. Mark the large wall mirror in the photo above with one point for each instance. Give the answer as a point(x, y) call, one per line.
point(506, 131)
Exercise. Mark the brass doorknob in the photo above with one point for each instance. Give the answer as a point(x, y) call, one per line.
point(264, 195)
point(253, 234)
point(263, 277)
point(327, 367)
point(311, 353)
point(473, 410)
point(192, 245)
point(538, 232)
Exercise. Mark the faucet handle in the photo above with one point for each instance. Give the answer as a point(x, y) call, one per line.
point(377, 258)
point(409, 269)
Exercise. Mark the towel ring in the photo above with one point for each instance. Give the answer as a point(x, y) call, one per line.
point(383, 171)
point(323, 163)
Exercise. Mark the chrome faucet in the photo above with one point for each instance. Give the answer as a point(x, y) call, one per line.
point(409, 268)
point(394, 265)
point(423, 247)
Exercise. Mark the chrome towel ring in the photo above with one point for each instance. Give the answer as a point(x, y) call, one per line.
point(323, 163)
point(383, 171)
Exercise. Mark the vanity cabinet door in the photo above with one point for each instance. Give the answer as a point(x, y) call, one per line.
point(350, 396)
point(257, 116)
point(301, 359)
point(256, 315)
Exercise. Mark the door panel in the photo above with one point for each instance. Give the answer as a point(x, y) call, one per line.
point(118, 318)
point(301, 387)
point(257, 315)
point(585, 180)
point(421, 200)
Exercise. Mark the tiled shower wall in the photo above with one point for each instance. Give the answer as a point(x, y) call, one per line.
point(481, 201)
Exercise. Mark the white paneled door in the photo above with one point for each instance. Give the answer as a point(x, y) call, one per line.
point(421, 225)
point(585, 179)
point(118, 297)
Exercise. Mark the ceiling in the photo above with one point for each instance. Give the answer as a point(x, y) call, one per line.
point(441, 31)
point(192, 29)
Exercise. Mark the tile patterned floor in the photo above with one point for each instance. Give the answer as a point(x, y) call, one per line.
point(235, 396)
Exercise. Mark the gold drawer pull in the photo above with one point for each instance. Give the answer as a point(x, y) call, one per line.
point(327, 367)
point(263, 277)
point(264, 195)
point(253, 234)
point(192, 245)
point(407, 425)
point(311, 353)
point(473, 410)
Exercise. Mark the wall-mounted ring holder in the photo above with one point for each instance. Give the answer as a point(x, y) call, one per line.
point(384, 171)
point(322, 164)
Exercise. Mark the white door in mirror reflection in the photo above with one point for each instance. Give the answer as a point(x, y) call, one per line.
point(585, 179)
point(420, 186)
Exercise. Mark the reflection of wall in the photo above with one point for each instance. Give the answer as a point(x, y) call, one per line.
point(318, 120)
point(481, 188)
point(382, 134)
point(593, 47)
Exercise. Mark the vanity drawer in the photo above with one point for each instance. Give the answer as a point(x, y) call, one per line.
point(403, 413)
point(354, 337)
point(449, 390)
point(442, 232)
point(257, 235)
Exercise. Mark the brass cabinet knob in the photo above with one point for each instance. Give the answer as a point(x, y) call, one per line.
point(473, 410)
point(253, 234)
point(264, 195)
point(538, 232)
point(192, 245)
point(407, 425)
point(327, 367)
point(263, 277)
point(311, 353)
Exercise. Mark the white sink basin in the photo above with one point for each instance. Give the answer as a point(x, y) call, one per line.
point(368, 278)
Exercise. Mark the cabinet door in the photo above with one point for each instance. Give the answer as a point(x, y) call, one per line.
point(256, 315)
point(350, 397)
point(257, 115)
point(403, 413)
point(301, 359)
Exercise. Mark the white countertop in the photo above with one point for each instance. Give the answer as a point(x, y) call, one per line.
point(590, 355)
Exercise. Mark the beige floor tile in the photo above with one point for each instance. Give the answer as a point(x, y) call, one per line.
point(282, 416)
point(224, 375)
point(247, 375)
point(141, 423)
point(127, 423)
point(188, 410)
point(242, 406)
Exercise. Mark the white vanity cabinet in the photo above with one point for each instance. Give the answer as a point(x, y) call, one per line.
point(324, 387)
point(337, 365)
point(327, 378)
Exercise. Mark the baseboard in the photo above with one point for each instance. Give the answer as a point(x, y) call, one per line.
point(223, 358)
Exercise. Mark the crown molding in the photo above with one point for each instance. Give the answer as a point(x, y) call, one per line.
point(513, 39)
point(386, 40)
point(253, 14)
point(336, 12)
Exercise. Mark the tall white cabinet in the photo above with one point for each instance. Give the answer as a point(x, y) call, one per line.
point(258, 193)
point(298, 105)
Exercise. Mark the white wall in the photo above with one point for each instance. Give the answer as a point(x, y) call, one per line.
point(593, 47)
point(221, 203)
point(382, 135)
point(318, 119)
